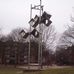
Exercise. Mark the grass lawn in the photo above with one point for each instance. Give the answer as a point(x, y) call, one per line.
point(9, 70)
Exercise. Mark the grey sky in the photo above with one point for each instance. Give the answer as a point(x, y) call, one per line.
point(16, 13)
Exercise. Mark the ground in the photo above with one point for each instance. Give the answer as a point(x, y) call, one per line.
point(50, 70)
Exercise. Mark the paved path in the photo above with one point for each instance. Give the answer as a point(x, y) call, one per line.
point(44, 67)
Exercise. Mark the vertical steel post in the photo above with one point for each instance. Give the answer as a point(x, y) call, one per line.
point(30, 14)
point(41, 35)
point(29, 40)
point(40, 40)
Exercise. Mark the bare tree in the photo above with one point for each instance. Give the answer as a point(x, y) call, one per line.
point(15, 35)
point(67, 38)
point(49, 36)
point(64, 52)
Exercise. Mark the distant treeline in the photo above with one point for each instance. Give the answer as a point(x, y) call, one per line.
point(16, 53)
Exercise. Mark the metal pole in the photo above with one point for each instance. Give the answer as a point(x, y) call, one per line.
point(41, 42)
point(41, 35)
point(29, 40)
point(40, 53)
point(30, 14)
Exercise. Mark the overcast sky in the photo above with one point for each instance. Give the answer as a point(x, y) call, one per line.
point(16, 13)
